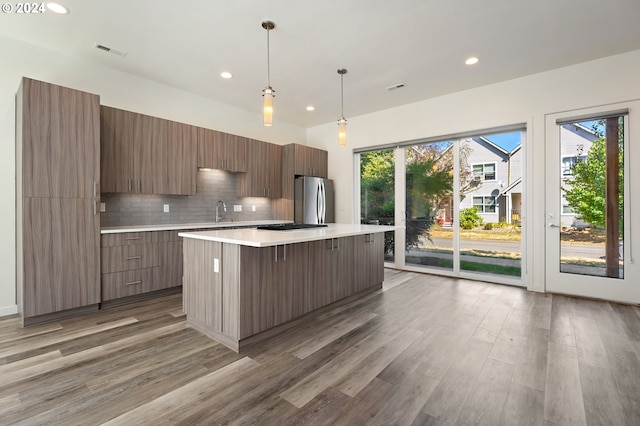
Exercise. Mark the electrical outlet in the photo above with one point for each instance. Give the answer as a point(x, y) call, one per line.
point(166, 208)
point(253, 208)
point(103, 207)
point(216, 265)
point(237, 208)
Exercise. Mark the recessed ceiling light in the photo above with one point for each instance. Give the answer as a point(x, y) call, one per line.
point(471, 61)
point(310, 108)
point(226, 74)
point(58, 8)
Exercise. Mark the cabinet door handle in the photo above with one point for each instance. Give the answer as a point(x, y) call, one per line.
point(95, 188)
point(133, 238)
point(134, 282)
point(285, 252)
point(133, 258)
point(129, 185)
point(276, 253)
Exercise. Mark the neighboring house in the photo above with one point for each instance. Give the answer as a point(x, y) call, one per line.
point(576, 141)
point(494, 182)
point(494, 177)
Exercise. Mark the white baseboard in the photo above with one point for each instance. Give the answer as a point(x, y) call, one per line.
point(8, 310)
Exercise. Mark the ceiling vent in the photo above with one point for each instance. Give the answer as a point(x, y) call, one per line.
point(110, 50)
point(396, 86)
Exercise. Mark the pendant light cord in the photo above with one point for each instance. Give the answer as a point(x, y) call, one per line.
point(268, 60)
point(342, 95)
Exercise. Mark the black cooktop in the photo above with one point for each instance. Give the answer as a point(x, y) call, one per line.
point(290, 226)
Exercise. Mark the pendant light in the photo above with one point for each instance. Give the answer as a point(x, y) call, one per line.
point(268, 93)
point(342, 123)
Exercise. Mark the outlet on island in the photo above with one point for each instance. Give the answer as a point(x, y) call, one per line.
point(166, 208)
point(237, 208)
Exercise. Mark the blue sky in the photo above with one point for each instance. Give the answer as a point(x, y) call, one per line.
point(506, 141)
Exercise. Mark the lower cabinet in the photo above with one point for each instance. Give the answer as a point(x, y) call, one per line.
point(140, 262)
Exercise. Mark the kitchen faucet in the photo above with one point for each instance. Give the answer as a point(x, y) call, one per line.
point(224, 207)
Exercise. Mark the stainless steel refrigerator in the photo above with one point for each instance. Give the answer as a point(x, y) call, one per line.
point(313, 200)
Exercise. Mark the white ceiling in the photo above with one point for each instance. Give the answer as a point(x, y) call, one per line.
point(421, 43)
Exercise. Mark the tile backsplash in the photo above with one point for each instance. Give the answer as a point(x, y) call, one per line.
point(212, 185)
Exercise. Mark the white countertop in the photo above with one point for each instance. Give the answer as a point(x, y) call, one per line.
point(263, 238)
point(185, 226)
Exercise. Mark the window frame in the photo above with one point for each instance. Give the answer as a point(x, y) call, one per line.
point(484, 173)
point(485, 204)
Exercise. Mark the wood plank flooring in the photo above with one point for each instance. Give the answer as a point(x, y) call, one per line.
point(423, 350)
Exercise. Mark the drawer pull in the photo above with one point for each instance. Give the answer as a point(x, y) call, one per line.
point(134, 282)
point(132, 258)
point(133, 238)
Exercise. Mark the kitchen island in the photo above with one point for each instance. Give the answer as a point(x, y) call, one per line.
point(243, 285)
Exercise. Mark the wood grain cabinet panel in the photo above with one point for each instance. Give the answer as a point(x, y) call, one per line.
point(61, 257)
point(309, 161)
point(144, 154)
point(223, 151)
point(202, 291)
point(125, 258)
point(129, 283)
point(118, 149)
point(181, 160)
point(57, 187)
point(59, 131)
point(263, 178)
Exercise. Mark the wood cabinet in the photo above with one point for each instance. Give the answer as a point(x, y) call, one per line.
point(224, 151)
point(148, 155)
point(264, 175)
point(309, 161)
point(368, 252)
point(297, 160)
point(140, 262)
point(58, 226)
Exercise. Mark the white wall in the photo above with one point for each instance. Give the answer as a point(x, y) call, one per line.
point(524, 100)
point(116, 89)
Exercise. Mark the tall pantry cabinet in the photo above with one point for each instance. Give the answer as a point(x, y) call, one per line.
point(57, 196)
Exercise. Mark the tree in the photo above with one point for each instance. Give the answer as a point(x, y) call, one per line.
point(585, 188)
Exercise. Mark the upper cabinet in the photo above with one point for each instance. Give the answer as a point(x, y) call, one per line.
point(148, 155)
point(59, 128)
point(218, 150)
point(309, 161)
point(264, 176)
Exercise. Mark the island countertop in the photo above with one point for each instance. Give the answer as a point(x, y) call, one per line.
point(265, 238)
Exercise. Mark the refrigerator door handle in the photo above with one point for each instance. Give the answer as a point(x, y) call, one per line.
point(319, 203)
point(324, 202)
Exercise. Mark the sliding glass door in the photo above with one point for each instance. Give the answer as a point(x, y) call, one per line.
point(462, 201)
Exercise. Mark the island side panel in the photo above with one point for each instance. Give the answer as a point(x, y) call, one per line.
point(202, 286)
point(231, 271)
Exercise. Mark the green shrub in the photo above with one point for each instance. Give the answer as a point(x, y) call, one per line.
point(469, 218)
point(488, 226)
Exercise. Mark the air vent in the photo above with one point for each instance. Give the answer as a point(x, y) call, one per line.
point(396, 86)
point(110, 50)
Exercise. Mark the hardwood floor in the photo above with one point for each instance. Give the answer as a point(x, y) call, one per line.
point(423, 350)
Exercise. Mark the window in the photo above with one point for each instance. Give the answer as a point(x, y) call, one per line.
point(485, 204)
point(485, 171)
point(567, 209)
point(569, 162)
